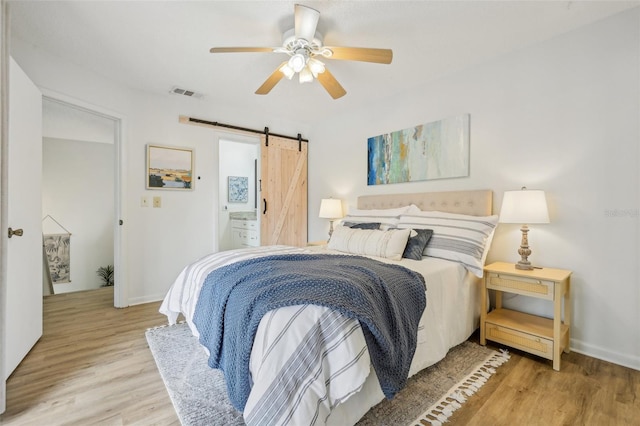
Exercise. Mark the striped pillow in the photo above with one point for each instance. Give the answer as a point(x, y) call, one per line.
point(461, 238)
point(370, 242)
point(387, 218)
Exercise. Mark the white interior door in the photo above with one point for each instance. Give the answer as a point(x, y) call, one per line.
point(23, 313)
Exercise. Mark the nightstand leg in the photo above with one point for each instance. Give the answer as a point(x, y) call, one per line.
point(498, 299)
point(483, 312)
point(567, 314)
point(557, 321)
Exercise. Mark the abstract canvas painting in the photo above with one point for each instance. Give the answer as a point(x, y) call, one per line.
point(238, 189)
point(435, 150)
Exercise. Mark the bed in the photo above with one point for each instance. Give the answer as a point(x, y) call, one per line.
point(340, 382)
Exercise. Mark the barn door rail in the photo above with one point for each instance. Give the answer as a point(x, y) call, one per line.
point(265, 131)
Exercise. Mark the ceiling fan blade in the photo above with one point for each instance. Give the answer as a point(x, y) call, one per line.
point(240, 49)
point(364, 54)
point(271, 81)
point(331, 85)
point(306, 21)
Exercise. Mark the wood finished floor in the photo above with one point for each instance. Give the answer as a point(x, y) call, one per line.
point(92, 366)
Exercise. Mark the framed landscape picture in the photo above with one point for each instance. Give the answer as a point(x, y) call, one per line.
point(169, 168)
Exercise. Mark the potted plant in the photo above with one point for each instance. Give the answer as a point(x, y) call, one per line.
point(106, 275)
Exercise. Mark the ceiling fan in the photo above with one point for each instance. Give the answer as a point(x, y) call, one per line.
point(304, 47)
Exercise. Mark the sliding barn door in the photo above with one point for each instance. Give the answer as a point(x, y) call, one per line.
point(284, 192)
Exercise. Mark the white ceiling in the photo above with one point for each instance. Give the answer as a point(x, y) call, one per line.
point(155, 45)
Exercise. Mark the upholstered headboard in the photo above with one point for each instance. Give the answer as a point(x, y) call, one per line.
point(475, 202)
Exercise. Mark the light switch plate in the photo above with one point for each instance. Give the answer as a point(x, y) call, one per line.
point(144, 202)
point(157, 201)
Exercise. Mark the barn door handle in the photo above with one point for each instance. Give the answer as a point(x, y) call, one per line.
point(264, 202)
point(16, 232)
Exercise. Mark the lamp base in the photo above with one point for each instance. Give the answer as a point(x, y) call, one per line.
point(330, 228)
point(525, 266)
point(524, 251)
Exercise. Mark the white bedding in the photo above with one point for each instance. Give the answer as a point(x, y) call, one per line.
point(450, 317)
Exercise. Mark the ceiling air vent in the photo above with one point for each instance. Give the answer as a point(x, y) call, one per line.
point(190, 93)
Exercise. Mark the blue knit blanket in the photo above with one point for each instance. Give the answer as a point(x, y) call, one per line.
point(388, 300)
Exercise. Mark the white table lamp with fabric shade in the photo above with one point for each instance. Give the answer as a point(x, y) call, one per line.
point(524, 207)
point(330, 208)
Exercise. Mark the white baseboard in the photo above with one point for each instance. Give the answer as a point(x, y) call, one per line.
point(630, 361)
point(145, 299)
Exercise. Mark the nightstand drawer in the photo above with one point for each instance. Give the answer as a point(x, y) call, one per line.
point(517, 339)
point(541, 289)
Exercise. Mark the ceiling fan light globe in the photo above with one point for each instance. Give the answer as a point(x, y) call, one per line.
point(287, 71)
point(297, 62)
point(305, 76)
point(316, 66)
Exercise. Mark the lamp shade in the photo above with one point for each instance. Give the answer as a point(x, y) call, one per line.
point(524, 207)
point(330, 208)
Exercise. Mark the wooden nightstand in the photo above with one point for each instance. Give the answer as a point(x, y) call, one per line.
point(534, 334)
point(317, 243)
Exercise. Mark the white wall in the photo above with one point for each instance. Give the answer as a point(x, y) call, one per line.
point(562, 116)
point(77, 192)
point(236, 159)
point(160, 241)
point(63, 122)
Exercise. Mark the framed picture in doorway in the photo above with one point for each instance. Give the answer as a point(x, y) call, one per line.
point(238, 189)
point(169, 168)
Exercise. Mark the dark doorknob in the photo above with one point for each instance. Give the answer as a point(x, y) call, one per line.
point(17, 232)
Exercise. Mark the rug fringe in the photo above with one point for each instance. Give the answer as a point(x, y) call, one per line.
point(165, 325)
point(440, 412)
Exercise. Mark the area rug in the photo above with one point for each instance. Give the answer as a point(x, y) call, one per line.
point(199, 393)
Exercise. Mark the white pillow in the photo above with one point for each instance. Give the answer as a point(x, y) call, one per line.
point(370, 242)
point(461, 238)
point(388, 218)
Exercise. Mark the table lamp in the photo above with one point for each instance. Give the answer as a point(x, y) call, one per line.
point(524, 207)
point(330, 208)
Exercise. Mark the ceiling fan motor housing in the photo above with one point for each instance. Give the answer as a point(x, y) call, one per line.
point(290, 42)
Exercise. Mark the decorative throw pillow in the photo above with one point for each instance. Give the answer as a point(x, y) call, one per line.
point(388, 218)
point(364, 225)
point(461, 238)
point(417, 243)
point(370, 242)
